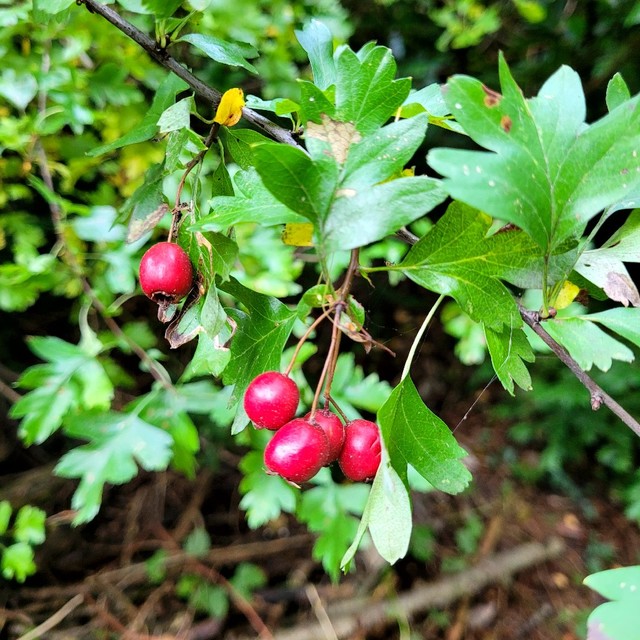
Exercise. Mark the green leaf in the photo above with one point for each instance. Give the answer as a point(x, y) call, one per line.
point(614, 621)
point(622, 583)
point(233, 54)
point(263, 330)
point(162, 8)
point(29, 525)
point(210, 358)
point(177, 116)
point(617, 92)
point(247, 578)
point(18, 88)
point(116, 443)
point(240, 144)
point(352, 390)
point(254, 203)
point(279, 106)
point(5, 516)
point(148, 126)
point(361, 216)
point(304, 186)
point(17, 562)
point(414, 435)
point(625, 322)
point(197, 543)
point(264, 497)
point(456, 258)
point(389, 513)
point(548, 172)
point(317, 41)
point(71, 379)
point(366, 93)
point(327, 510)
point(587, 343)
point(50, 7)
point(509, 350)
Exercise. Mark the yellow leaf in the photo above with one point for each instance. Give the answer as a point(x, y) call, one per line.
point(298, 234)
point(229, 110)
point(567, 295)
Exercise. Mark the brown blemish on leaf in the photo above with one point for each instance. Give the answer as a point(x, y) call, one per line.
point(339, 135)
point(621, 288)
point(505, 123)
point(492, 98)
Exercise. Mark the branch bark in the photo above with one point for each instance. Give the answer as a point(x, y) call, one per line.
point(598, 395)
point(162, 57)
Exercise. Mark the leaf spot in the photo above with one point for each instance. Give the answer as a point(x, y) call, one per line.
point(635, 153)
point(347, 193)
point(624, 171)
point(465, 170)
point(312, 99)
point(492, 98)
point(478, 169)
point(457, 105)
point(505, 123)
point(492, 183)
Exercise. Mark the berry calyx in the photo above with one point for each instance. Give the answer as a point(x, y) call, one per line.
point(333, 428)
point(271, 400)
point(361, 451)
point(166, 274)
point(297, 451)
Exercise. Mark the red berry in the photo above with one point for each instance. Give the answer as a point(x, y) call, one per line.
point(271, 400)
point(166, 274)
point(297, 451)
point(333, 428)
point(360, 455)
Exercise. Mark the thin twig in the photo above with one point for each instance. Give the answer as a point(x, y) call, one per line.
point(55, 619)
point(162, 57)
point(10, 394)
point(598, 395)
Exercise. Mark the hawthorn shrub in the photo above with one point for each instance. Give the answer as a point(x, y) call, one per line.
point(505, 230)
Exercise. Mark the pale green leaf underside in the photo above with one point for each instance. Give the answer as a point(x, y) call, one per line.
point(587, 343)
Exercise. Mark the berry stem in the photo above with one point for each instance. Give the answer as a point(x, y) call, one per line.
point(336, 406)
point(329, 368)
point(304, 338)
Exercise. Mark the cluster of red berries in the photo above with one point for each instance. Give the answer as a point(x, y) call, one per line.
point(300, 447)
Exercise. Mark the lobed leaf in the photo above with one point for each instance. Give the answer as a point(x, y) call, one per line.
point(116, 443)
point(548, 173)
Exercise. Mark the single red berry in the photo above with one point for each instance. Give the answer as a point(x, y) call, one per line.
point(297, 451)
point(271, 400)
point(360, 455)
point(166, 274)
point(333, 428)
